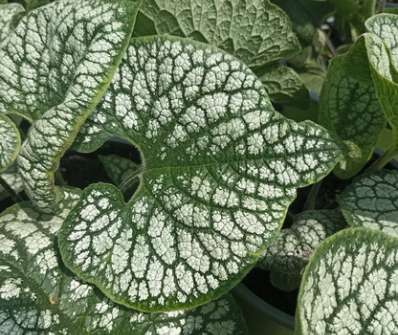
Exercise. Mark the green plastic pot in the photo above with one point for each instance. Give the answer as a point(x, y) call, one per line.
point(261, 317)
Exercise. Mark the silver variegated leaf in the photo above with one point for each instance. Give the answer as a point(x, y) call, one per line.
point(282, 83)
point(255, 31)
point(371, 201)
point(54, 69)
point(9, 15)
point(10, 142)
point(350, 109)
point(38, 296)
point(290, 252)
point(383, 56)
point(220, 168)
point(350, 286)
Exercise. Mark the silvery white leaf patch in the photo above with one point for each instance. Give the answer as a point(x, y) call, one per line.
point(351, 286)
point(371, 201)
point(39, 296)
point(10, 142)
point(220, 168)
point(9, 14)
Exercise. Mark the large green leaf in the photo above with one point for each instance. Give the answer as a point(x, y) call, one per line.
point(350, 286)
point(10, 142)
point(350, 109)
point(289, 253)
point(371, 201)
point(255, 31)
point(383, 56)
point(9, 14)
point(220, 168)
point(38, 296)
point(54, 68)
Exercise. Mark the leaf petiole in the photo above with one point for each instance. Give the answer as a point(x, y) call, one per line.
point(386, 158)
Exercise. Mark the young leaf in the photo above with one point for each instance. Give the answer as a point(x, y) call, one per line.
point(349, 287)
point(54, 68)
point(38, 296)
point(383, 57)
point(350, 110)
point(289, 253)
point(282, 83)
point(220, 168)
point(255, 31)
point(118, 168)
point(371, 201)
point(10, 142)
point(9, 14)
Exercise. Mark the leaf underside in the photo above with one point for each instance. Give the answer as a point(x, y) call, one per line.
point(220, 169)
point(255, 31)
point(38, 296)
point(349, 108)
point(55, 67)
point(350, 286)
point(289, 253)
point(10, 142)
point(371, 201)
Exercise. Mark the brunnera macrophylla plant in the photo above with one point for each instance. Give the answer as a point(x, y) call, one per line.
point(220, 167)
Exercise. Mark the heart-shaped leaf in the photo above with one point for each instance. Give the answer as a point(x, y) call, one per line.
point(350, 286)
point(10, 142)
point(9, 14)
point(54, 68)
point(383, 56)
point(350, 109)
point(289, 253)
point(220, 168)
point(255, 31)
point(38, 296)
point(371, 201)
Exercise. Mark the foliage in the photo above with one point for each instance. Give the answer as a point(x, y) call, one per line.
point(216, 97)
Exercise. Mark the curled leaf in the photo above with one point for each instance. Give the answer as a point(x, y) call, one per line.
point(10, 142)
point(350, 109)
point(349, 287)
point(371, 201)
point(290, 252)
point(55, 67)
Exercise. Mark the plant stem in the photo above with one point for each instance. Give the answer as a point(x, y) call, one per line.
point(310, 202)
point(383, 160)
point(13, 195)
